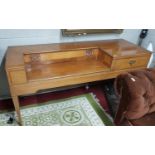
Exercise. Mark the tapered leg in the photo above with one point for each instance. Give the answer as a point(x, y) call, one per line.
point(17, 108)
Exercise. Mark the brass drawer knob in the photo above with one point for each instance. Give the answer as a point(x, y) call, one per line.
point(131, 62)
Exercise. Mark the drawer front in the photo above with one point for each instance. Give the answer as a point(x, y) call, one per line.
point(18, 77)
point(131, 63)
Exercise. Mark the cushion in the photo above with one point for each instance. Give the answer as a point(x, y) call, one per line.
point(136, 91)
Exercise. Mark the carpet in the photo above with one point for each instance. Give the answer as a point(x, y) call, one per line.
point(83, 110)
point(96, 89)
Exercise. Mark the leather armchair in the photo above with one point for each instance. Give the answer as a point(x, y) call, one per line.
point(136, 92)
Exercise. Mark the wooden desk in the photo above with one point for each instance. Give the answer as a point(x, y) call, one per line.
point(37, 67)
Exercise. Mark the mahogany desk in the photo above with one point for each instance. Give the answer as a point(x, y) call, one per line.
point(36, 67)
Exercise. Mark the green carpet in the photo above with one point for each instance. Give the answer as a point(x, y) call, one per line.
point(80, 110)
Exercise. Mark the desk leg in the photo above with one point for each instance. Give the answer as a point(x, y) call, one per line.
point(17, 108)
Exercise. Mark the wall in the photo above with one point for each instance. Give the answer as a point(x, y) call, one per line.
point(43, 36)
point(150, 38)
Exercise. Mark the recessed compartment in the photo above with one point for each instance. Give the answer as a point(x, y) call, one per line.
point(63, 63)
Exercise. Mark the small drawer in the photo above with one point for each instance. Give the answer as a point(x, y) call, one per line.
point(18, 77)
point(130, 63)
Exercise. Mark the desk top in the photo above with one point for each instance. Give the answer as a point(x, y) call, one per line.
point(116, 48)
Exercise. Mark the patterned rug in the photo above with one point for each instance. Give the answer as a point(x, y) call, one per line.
point(83, 110)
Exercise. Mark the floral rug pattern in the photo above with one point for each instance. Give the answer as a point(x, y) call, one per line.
point(81, 110)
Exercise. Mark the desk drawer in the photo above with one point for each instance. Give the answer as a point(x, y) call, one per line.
point(18, 77)
point(131, 63)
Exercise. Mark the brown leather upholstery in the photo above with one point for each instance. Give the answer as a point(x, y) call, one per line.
point(136, 91)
